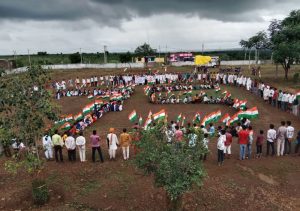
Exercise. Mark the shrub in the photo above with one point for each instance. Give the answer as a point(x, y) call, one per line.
point(176, 167)
point(40, 192)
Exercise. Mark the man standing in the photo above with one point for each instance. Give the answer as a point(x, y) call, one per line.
point(271, 137)
point(228, 144)
point(112, 143)
point(221, 147)
point(125, 140)
point(47, 144)
point(58, 144)
point(289, 137)
point(80, 142)
point(279, 100)
point(281, 136)
point(243, 141)
point(71, 147)
point(95, 142)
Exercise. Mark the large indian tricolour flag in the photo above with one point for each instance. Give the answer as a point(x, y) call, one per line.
point(249, 113)
point(132, 116)
point(78, 117)
point(88, 108)
point(225, 118)
point(212, 117)
point(147, 123)
point(66, 126)
point(159, 115)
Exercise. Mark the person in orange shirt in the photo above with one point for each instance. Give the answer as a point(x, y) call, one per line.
point(125, 140)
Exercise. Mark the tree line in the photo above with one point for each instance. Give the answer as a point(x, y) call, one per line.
point(282, 38)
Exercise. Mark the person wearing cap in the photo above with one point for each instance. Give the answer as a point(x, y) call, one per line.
point(112, 143)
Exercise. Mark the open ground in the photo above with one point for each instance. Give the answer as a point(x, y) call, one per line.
point(269, 183)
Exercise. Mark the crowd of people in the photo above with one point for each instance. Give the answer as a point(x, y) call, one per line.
point(283, 138)
point(278, 98)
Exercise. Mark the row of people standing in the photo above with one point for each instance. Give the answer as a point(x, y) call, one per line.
point(70, 143)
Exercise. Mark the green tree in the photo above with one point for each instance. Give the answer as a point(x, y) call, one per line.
point(285, 40)
point(125, 58)
point(75, 58)
point(144, 50)
point(247, 45)
point(25, 109)
point(176, 169)
point(259, 42)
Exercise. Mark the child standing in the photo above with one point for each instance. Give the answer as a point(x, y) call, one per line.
point(259, 143)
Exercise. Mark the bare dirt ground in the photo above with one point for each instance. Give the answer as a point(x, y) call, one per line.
point(269, 183)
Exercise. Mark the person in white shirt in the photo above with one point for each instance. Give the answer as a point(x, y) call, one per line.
point(112, 143)
point(266, 93)
point(80, 142)
point(204, 130)
point(289, 137)
point(88, 82)
point(71, 147)
point(95, 81)
point(271, 94)
point(221, 147)
point(284, 101)
point(271, 137)
point(83, 82)
point(47, 145)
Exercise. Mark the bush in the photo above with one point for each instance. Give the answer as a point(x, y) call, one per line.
point(40, 192)
point(296, 77)
point(176, 167)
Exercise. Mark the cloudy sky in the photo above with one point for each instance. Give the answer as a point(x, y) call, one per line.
point(67, 25)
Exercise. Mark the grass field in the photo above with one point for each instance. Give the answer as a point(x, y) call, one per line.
point(269, 183)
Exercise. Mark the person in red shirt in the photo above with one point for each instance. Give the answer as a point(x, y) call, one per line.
point(228, 144)
point(178, 137)
point(259, 143)
point(275, 96)
point(243, 141)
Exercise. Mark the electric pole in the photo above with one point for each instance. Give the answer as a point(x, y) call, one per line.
point(29, 58)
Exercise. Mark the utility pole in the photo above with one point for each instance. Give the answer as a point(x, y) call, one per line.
point(15, 58)
point(105, 58)
point(80, 56)
point(202, 48)
point(29, 58)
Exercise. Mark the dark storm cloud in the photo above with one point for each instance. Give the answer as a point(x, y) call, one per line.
point(110, 12)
